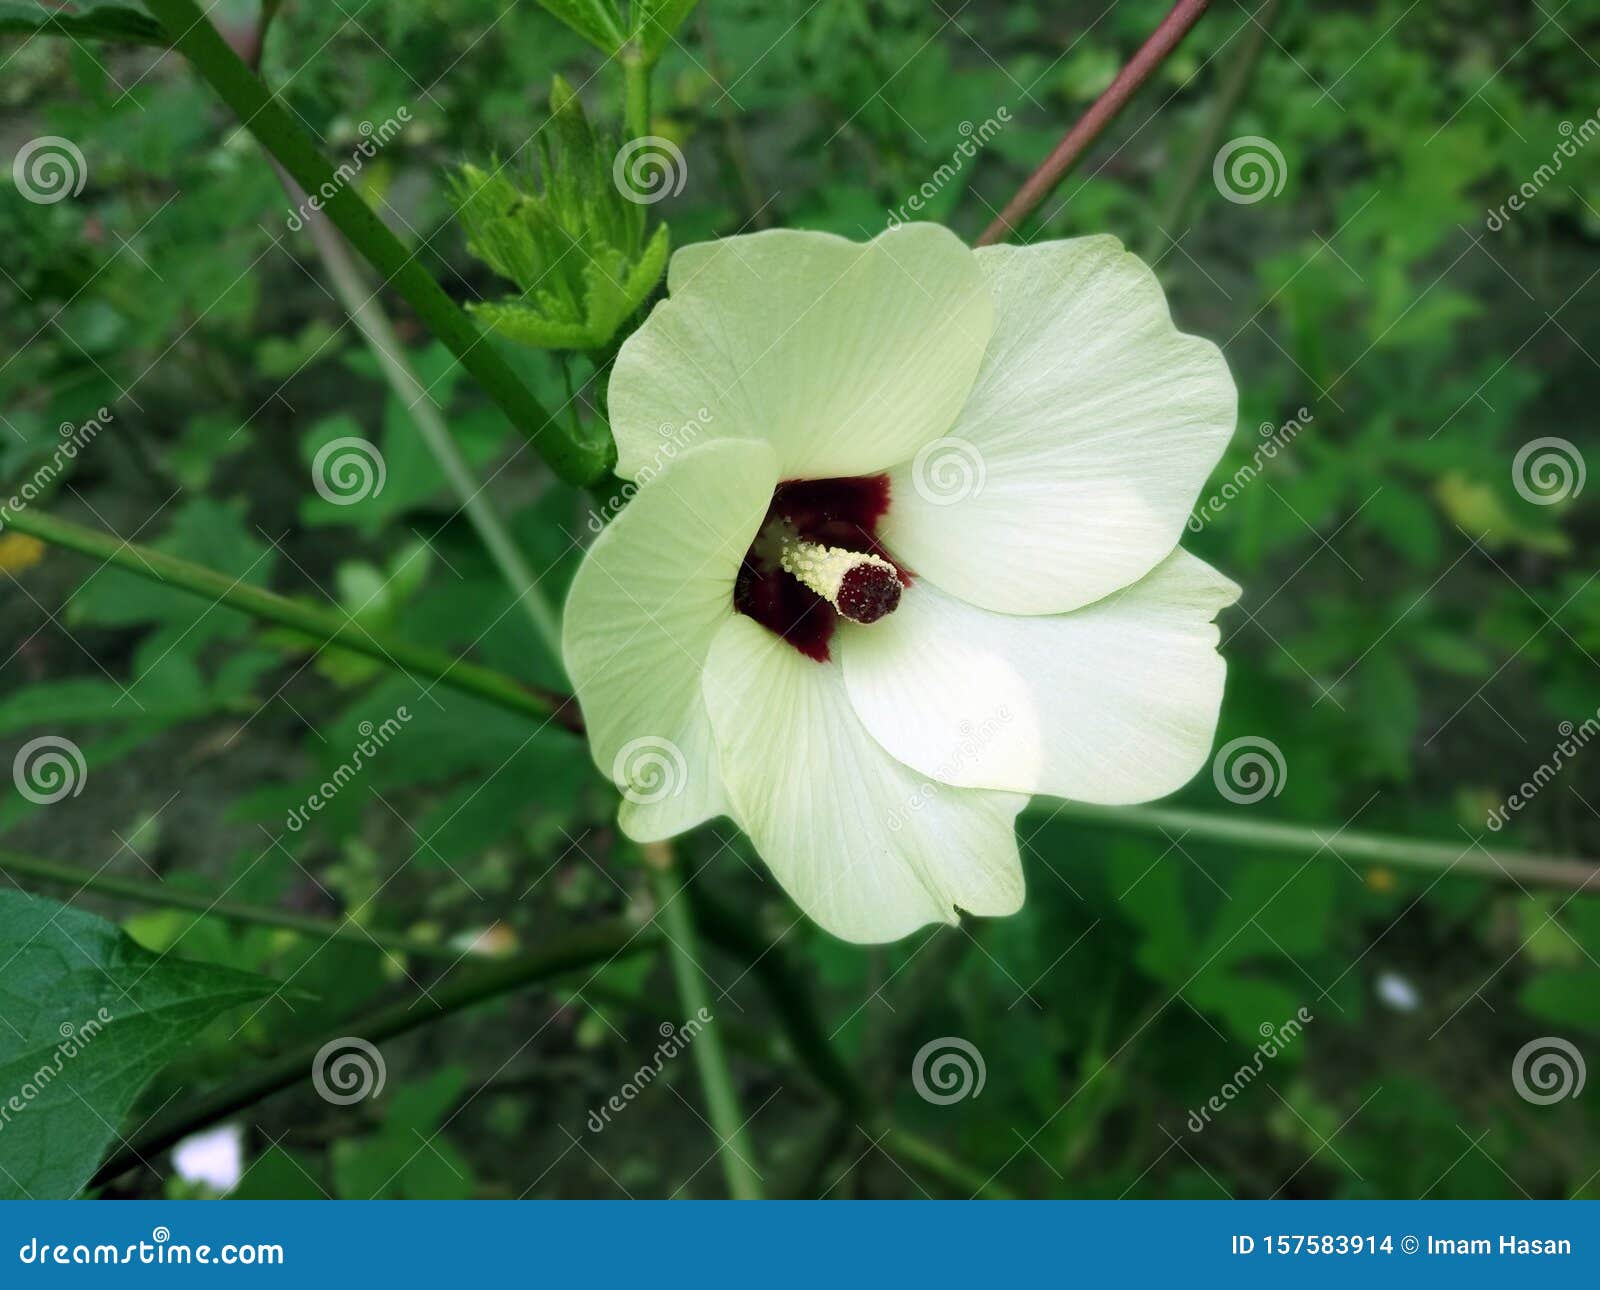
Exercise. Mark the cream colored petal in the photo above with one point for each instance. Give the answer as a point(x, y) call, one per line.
point(844, 356)
point(869, 849)
point(651, 594)
point(1090, 430)
point(1113, 703)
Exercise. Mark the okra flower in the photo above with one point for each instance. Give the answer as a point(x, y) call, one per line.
point(917, 562)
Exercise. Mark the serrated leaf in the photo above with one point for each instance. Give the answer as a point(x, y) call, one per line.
point(102, 22)
point(91, 1016)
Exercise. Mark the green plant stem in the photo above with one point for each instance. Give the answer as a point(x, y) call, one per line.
point(722, 1099)
point(941, 1164)
point(165, 896)
point(288, 142)
point(568, 953)
point(635, 92)
point(767, 962)
point(1373, 848)
point(324, 626)
point(1138, 69)
point(1231, 93)
point(362, 306)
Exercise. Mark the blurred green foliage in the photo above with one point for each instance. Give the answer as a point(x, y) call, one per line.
point(1413, 632)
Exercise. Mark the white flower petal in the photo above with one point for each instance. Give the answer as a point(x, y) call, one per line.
point(1113, 703)
point(1089, 432)
point(868, 849)
point(844, 356)
point(650, 595)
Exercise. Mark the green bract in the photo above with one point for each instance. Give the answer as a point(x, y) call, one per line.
point(577, 249)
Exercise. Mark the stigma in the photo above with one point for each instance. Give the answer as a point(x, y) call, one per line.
point(861, 586)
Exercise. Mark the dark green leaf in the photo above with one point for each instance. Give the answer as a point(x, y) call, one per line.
point(91, 1016)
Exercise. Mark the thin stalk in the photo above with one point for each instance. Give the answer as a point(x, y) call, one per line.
point(1402, 853)
point(324, 626)
point(563, 954)
point(164, 896)
point(1166, 37)
point(766, 961)
point(941, 1164)
point(362, 306)
point(635, 92)
point(287, 141)
point(1232, 91)
point(722, 1099)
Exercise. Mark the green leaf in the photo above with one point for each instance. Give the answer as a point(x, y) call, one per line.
point(597, 21)
point(102, 22)
point(655, 21)
point(91, 1017)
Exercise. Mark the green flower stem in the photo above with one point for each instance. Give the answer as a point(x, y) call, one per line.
point(166, 896)
point(1373, 848)
point(722, 1099)
point(1138, 69)
point(635, 92)
point(766, 961)
point(370, 319)
point(941, 1164)
point(568, 953)
point(323, 625)
point(288, 142)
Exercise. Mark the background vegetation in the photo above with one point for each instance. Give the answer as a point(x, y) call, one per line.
point(1415, 628)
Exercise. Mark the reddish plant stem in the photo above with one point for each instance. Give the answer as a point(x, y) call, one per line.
point(1163, 40)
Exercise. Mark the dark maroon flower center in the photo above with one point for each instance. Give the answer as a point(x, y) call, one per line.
point(837, 515)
